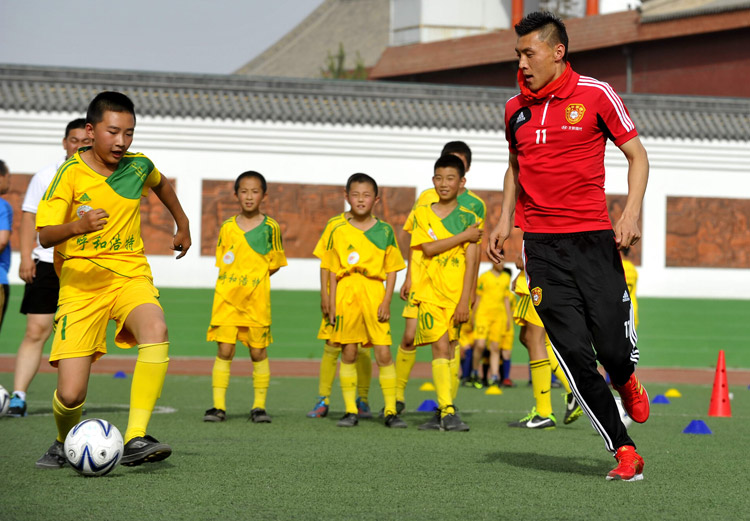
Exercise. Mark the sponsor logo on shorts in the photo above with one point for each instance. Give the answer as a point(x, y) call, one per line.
point(536, 296)
point(83, 210)
point(574, 113)
point(228, 257)
point(353, 258)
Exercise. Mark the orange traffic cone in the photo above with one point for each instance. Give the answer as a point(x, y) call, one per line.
point(720, 405)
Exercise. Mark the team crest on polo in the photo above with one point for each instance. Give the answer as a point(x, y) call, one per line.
point(353, 258)
point(536, 296)
point(228, 257)
point(574, 113)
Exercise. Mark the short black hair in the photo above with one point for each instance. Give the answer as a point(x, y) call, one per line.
point(76, 123)
point(361, 178)
point(507, 270)
point(458, 147)
point(551, 27)
point(450, 161)
point(108, 101)
point(3, 168)
point(250, 174)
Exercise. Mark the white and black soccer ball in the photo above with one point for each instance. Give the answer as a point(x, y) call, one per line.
point(627, 421)
point(94, 447)
point(4, 400)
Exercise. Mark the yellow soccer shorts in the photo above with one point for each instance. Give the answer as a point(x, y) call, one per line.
point(81, 324)
point(357, 301)
point(525, 312)
point(326, 328)
point(257, 337)
point(467, 335)
point(506, 341)
point(410, 307)
point(433, 322)
point(491, 326)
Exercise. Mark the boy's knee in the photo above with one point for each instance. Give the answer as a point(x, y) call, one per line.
point(71, 397)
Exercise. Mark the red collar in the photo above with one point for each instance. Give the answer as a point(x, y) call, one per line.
point(562, 87)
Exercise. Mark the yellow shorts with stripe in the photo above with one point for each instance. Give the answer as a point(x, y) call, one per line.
point(326, 328)
point(433, 322)
point(357, 301)
point(411, 308)
point(257, 337)
point(467, 335)
point(80, 328)
point(525, 312)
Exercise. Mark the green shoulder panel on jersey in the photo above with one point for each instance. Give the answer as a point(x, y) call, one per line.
point(459, 219)
point(265, 238)
point(131, 175)
point(58, 176)
point(473, 202)
point(381, 235)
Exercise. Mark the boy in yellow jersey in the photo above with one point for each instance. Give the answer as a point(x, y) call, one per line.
point(331, 351)
point(91, 214)
point(542, 362)
point(362, 253)
point(631, 279)
point(407, 350)
point(446, 283)
point(248, 252)
point(493, 318)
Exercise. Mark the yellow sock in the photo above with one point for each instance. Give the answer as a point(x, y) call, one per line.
point(148, 380)
point(348, 379)
point(328, 370)
point(556, 369)
point(220, 381)
point(455, 368)
point(441, 377)
point(65, 418)
point(388, 385)
point(364, 372)
point(261, 379)
point(404, 364)
point(541, 378)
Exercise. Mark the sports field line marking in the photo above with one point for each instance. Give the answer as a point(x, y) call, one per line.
point(159, 409)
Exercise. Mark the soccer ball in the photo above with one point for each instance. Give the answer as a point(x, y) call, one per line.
point(94, 447)
point(4, 400)
point(627, 421)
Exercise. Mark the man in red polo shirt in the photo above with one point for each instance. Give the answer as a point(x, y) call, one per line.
point(557, 129)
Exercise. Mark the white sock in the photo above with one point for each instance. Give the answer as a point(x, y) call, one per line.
point(20, 394)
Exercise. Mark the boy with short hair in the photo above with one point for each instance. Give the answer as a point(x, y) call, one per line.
point(407, 350)
point(248, 252)
point(362, 254)
point(91, 214)
point(447, 282)
point(331, 350)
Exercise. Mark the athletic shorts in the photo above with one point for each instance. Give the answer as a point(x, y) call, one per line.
point(506, 341)
point(257, 337)
point(357, 301)
point(81, 325)
point(525, 312)
point(40, 296)
point(490, 327)
point(467, 335)
point(4, 297)
point(433, 322)
point(410, 307)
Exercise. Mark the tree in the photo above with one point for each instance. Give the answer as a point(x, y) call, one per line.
point(335, 67)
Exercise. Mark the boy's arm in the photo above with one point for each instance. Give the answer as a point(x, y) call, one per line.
point(384, 310)
point(168, 197)
point(4, 239)
point(472, 234)
point(27, 270)
point(406, 286)
point(324, 296)
point(332, 297)
point(92, 221)
point(462, 310)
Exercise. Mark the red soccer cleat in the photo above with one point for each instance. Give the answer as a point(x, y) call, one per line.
point(634, 399)
point(629, 465)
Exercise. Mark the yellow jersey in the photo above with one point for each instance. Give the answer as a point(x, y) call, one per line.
point(373, 253)
point(522, 287)
point(243, 288)
point(89, 263)
point(441, 276)
point(322, 245)
point(492, 288)
point(631, 279)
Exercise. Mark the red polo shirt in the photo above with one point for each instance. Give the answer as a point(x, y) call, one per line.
point(560, 144)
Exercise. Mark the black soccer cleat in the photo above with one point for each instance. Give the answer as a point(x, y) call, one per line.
point(54, 458)
point(259, 415)
point(144, 449)
point(349, 420)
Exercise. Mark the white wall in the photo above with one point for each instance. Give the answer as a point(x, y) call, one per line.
point(193, 150)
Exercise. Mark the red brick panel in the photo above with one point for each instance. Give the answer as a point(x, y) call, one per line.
point(708, 232)
point(394, 207)
point(157, 224)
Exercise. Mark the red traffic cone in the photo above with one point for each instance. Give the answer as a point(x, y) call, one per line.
point(720, 405)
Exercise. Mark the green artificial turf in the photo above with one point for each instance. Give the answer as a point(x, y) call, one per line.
point(301, 468)
point(672, 332)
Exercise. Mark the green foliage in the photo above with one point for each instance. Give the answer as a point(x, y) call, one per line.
point(336, 69)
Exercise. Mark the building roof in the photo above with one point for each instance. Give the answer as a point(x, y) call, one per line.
point(362, 26)
point(588, 33)
point(383, 104)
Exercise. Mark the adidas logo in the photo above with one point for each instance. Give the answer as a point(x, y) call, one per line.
point(350, 248)
point(520, 118)
point(85, 198)
point(625, 297)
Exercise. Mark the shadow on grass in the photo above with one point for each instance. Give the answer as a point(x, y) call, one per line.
point(550, 463)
